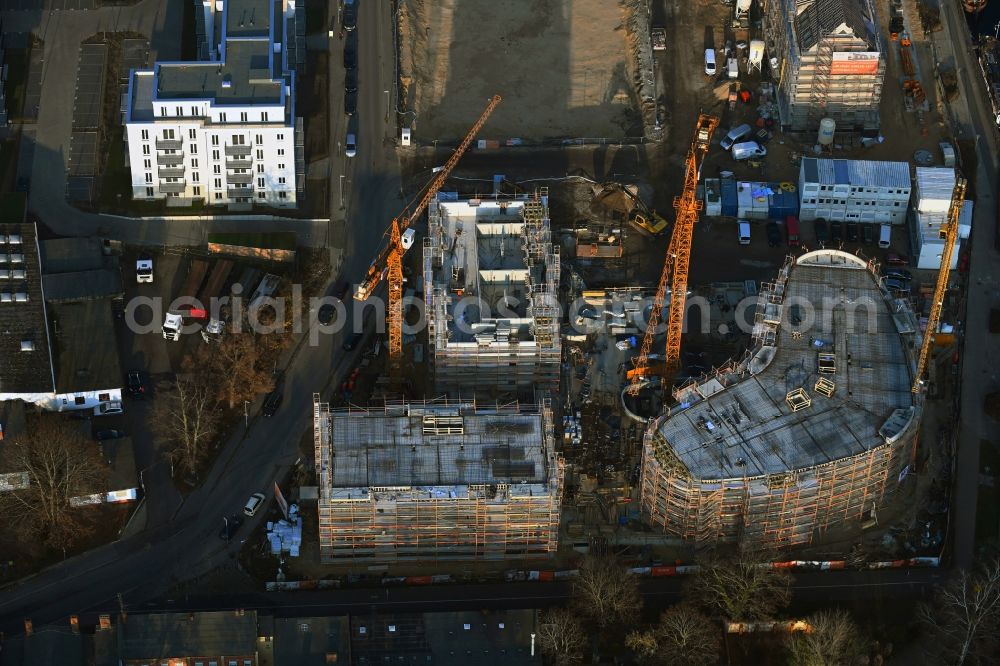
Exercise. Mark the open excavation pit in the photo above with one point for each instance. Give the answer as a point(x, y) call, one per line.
point(566, 69)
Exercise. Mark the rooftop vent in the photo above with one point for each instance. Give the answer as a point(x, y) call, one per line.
point(27, 345)
point(227, 81)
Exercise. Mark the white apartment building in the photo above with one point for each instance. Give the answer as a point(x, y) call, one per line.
point(854, 190)
point(930, 211)
point(221, 130)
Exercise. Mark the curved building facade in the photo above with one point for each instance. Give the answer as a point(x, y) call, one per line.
point(814, 427)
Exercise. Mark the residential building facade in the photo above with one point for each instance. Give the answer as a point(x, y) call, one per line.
point(854, 190)
point(221, 131)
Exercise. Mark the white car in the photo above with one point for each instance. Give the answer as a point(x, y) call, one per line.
point(144, 269)
point(253, 504)
point(109, 408)
point(351, 146)
point(710, 62)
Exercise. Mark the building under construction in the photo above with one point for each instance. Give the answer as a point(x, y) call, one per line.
point(814, 427)
point(491, 279)
point(827, 58)
point(437, 481)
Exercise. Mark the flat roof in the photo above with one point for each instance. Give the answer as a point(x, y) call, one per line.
point(306, 641)
point(65, 255)
point(83, 285)
point(246, 70)
point(935, 183)
point(85, 347)
point(22, 321)
point(748, 429)
point(856, 173)
point(248, 18)
point(162, 635)
point(436, 447)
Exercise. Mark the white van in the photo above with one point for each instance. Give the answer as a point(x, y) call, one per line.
point(710, 62)
point(733, 68)
point(884, 236)
point(735, 135)
point(747, 150)
point(744, 231)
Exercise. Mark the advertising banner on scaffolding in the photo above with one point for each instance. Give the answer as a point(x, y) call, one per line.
point(863, 62)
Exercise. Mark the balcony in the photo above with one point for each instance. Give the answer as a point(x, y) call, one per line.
point(239, 192)
point(237, 163)
point(239, 178)
point(170, 160)
point(236, 151)
point(173, 188)
point(169, 144)
point(170, 171)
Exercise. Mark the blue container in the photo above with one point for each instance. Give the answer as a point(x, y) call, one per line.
point(781, 204)
point(730, 202)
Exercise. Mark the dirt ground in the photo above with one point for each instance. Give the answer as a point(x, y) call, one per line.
point(563, 68)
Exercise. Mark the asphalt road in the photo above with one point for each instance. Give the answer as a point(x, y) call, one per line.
point(187, 545)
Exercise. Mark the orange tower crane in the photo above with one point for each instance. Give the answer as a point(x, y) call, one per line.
point(390, 260)
point(678, 259)
point(950, 232)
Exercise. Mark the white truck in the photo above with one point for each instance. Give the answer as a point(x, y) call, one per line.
point(173, 322)
point(144, 269)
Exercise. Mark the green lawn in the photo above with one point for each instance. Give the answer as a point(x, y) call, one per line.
point(277, 240)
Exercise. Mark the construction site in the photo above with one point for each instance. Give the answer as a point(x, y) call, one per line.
point(437, 480)
point(813, 427)
point(491, 279)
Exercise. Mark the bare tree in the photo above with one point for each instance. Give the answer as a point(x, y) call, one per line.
point(833, 639)
point(188, 419)
point(965, 614)
point(237, 362)
point(61, 464)
point(605, 592)
point(741, 587)
point(562, 637)
point(683, 637)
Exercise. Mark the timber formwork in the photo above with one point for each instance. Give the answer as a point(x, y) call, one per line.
point(469, 281)
point(798, 34)
point(428, 499)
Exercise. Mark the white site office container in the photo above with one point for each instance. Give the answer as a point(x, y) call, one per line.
point(744, 199)
point(713, 197)
point(934, 188)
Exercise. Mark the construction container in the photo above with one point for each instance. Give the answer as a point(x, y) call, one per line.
point(783, 201)
point(713, 197)
point(744, 199)
point(730, 203)
point(754, 204)
point(934, 188)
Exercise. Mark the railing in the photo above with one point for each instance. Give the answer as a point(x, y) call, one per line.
point(169, 144)
point(173, 188)
point(241, 178)
point(170, 160)
point(239, 192)
point(238, 150)
point(170, 171)
point(239, 163)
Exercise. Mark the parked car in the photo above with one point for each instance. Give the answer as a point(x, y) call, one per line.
point(734, 135)
point(748, 150)
point(710, 62)
point(894, 259)
point(852, 232)
point(350, 54)
point(353, 341)
point(350, 15)
point(868, 233)
point(351, 80)
point(819, 228)
point(897, 285)
point(836, 231)
point(273, 401)
point(773, 234)
point(350, 103)
point(229, 527)
point(253, 504)
point(109, 408)
point(351, 145)
point(136, 387)
point(104, 435)
point(898, 274)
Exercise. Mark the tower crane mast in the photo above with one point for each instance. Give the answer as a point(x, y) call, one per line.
point(950, 231)
point(677, 261)
point(389, 261)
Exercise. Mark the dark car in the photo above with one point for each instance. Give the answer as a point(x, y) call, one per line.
point(136, 387)
point(341, 289)
point(273, 401)
point(326, 313)
point(852, 232)
point(773, 234)
point(894, 259)
point(350, 54)
point(868, 233)
point(836, 231)
point(819, 228)
point(351, 81)
point(104, 435)
point(898, 274)
point(350, 103)
point(353, 341)
point(229, 527)
point(350, 15)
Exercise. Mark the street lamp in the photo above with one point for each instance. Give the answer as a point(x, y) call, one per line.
point(246, 414)
point(386, 105)
point(341, 191)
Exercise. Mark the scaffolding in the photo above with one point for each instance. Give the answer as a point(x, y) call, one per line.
point(437, 480)
point(491, 280)
point(768, 450)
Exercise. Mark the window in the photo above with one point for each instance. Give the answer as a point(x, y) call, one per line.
point(222, 117)
point(263, 116)
point(79, 400)
point(281, 180)
point(197, 190)
point(149, 177)
point(145, 150)
point(218, 195)
point(282, 195)
point(260, 182)
point(194, 177)
point(194, 112)
point(261, 195)
point(215, 154)
point(147, 164)
point(194, 148)
point(194, 163)
point(260, 168)
point(215, 139)
point(168, 134)
point(260, 138)
point(281, 166)
point(216, 169)
point(163, 111)
point(239, 139)
point(281, 152)
point(243, 116)
point(180, 110)
point(149, 191)
point(145, 135)
point(260, 154)
point(218, 183)
point(281, 137)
